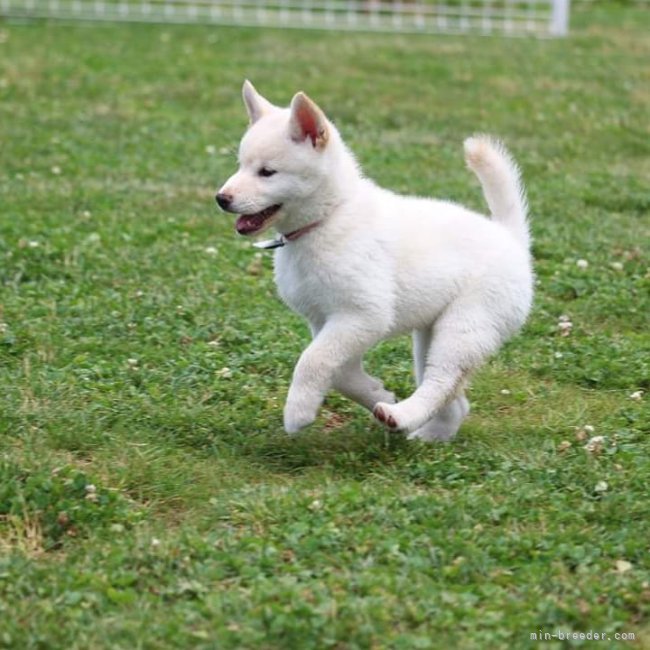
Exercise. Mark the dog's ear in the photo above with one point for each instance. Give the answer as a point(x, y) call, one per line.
point(307, 121)
point(256, 105)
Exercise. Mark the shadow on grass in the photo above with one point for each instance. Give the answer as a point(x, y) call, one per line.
point(352, 450)
point(355, 448)
point(474, 457)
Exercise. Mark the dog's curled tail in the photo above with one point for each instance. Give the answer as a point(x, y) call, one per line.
point(501, 181)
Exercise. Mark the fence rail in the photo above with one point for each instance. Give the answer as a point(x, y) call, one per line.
point(512, 17)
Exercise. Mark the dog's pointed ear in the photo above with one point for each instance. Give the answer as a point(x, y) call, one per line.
point(308, 121)
point(256, 105)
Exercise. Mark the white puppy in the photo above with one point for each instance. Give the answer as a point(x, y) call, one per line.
point(362, 264)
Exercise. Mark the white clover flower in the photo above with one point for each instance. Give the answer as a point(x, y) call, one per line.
point(564, 325)
point(211, 250)
point(582, 264)
point(210, 149)
point(595, 445)
point(558, 355)
point(637, 395)
point(505, 391)
point(55, 169)
point(601, 487)
point(623, 566)
point(132, 363)
point(155, 541)
point(617, 266)
point(33, 243)
point(583, 432)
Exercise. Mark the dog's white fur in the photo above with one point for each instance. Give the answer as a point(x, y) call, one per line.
point(380, 264)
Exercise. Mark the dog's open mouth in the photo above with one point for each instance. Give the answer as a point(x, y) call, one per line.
point(248, 224)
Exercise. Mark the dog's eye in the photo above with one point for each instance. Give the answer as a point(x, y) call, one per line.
point(266, 172)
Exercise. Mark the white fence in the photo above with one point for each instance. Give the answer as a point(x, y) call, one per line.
point(513, 17)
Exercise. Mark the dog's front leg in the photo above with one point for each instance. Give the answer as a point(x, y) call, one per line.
point(338, 341)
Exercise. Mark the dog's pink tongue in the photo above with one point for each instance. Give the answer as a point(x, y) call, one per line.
point(248, 223)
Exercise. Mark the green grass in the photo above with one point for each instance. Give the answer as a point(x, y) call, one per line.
point(143, 352)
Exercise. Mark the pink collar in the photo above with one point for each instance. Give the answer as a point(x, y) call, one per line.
point(296, 234)
point(283, 240)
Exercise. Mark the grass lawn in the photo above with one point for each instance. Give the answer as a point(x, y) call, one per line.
point(148, 495)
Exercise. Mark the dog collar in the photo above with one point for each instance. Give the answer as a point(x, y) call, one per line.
point(283, 240)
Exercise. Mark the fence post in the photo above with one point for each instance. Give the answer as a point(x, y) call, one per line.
point(560, 18)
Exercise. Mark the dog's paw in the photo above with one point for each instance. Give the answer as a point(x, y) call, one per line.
point(384, 413)
point(296, 419)
point(403, 416)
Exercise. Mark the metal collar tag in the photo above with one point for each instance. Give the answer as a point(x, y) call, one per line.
point(269, 244)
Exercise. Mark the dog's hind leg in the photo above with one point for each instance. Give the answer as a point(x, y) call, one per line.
point(353, 382)
point(462, 339)
point(445, 423)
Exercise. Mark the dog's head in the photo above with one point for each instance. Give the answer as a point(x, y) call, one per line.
point(282, 163)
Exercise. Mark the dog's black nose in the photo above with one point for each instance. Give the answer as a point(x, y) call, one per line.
point(224, 200)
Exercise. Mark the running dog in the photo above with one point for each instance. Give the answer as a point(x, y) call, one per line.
point(362, 264)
